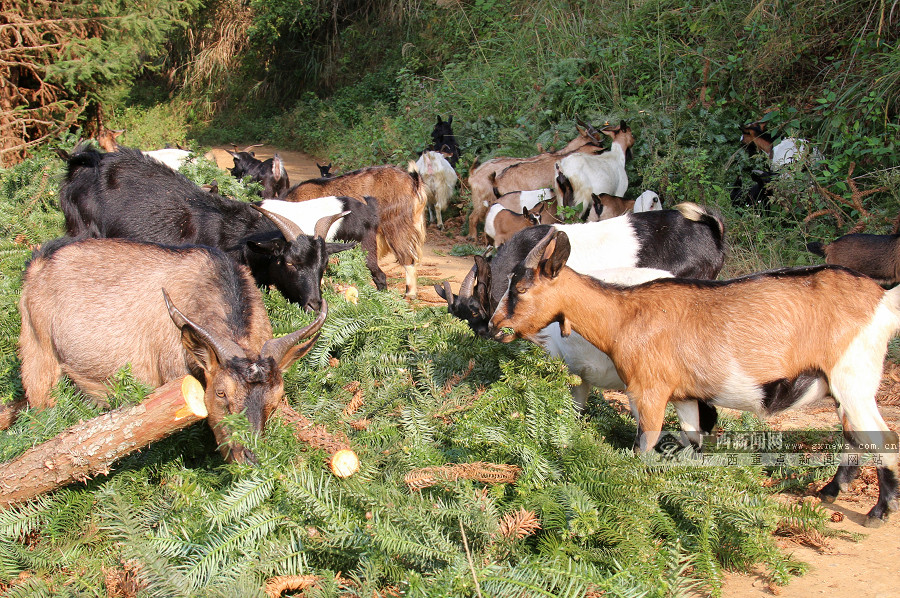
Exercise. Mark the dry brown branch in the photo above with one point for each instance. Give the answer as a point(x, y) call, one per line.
point(488, 473)
point(357, 400)
point(455, 379)
point(336, 445)
point(520, 524)
point(854, 202)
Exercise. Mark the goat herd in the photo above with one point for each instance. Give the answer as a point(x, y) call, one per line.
point(162, 274)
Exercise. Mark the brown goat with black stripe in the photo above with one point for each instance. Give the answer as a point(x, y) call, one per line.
point(761, 343)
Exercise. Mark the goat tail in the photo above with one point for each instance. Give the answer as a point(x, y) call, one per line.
point(817, 248)
point(411, 167)
point(698, 213)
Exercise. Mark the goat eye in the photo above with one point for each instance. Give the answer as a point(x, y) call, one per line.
point(220, 394)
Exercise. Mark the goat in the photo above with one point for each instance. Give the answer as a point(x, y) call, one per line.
point(604, 173)
point(129, 195)
point(324, 171)
point(692, 245)
point(401, 205)
point(517, 200)
point(686, 241)
point(791, 149)
point(876, 256)
point(760, 343)
point(501, 224)
point(443, 140)
point(440, 183)
point(174, 158)
point(90, 307)
point(609, 206)
point(482, 186)
point(270, 173)
point(360, 223)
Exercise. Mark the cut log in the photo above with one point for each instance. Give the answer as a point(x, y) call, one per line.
point(91, 447)
point(343, 461)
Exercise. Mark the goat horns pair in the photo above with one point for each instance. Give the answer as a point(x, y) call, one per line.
point(276, 348)
point(465, 289)
point(291, 231)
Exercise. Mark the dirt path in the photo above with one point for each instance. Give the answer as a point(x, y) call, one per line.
point(864, 569)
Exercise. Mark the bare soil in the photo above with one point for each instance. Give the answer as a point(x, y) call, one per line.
point(867, 568)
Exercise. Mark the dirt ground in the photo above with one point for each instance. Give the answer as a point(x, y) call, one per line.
point(867, 568)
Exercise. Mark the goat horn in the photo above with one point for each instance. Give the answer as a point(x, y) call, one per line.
point(250, 146)
point(448, 294)
point(324, 223)
point(223, 351)
point(533, 259)
point(288, 227)
point(468, 283)
point(277, 348)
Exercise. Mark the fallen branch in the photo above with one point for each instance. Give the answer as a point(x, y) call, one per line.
point(489, 473)
point(91, 447)
point(343, 460)
point(283, 583)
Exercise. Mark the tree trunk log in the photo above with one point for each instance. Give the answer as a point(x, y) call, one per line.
point(91, 447)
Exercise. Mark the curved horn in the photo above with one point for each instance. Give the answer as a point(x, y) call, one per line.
point(324, 223)
point(468, 283)
point(537, 252)
point(223, 350)
point(246, 149)
point(277, 348)
point(288, 227)
point(448, 294)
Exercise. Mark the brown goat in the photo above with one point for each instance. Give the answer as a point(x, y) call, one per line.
point(761, 343)
point(501, 224)
point(107, 139)
point(609, 206)
point(876, 256)
point(533, 171)
point(91, 307)
point(401, 197)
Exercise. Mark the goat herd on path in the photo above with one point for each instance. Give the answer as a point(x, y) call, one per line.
point(162, 274)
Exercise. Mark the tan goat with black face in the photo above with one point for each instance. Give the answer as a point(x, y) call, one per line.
point(91, 307)
point(761, 343)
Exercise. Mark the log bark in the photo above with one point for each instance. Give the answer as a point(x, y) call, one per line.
point(91, 447)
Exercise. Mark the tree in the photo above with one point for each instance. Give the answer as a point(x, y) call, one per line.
point(57, 57)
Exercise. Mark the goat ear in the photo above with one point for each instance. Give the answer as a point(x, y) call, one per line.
point(62, 153)
point(332, 248)
point(272, 247)
point(555, 255)
point(450, 119)
point(440, 120)
point(197, 342)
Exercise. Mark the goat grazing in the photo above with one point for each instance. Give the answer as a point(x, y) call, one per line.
point(588, 174)
point(876, 256)
point(401, 198)
point(538, 170)
point(443, 140)
point(440, 182)
point(518, 200)
point(129, 195)
point(271, 173)
point(360, 223)
point(91, 307)
point(761, 343)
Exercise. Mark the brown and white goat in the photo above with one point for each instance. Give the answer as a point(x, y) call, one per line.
point(876, 256)
point(535, 172)
point(401, 198)
point(501, 224)
point(91, 307)
point(761, 343)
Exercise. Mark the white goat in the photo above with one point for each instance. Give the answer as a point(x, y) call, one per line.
point(648, 201)
point(172, 157)
point(602, 173)
point(440, 183)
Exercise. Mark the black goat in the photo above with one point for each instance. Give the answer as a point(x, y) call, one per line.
point(443, 140)
point(325, 170)
point(128, 195)
point(270, 173)
point(757, 196)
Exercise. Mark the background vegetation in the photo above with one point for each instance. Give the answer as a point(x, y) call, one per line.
point(361, 82)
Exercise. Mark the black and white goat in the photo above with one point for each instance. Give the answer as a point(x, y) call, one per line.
point(762, 343)
point(360, 223)
point(271, 173)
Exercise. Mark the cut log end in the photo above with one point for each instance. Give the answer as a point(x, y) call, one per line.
point(193, 394)
point(344, 463)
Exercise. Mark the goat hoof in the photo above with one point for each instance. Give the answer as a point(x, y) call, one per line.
point(874, 522)
point(829, 498)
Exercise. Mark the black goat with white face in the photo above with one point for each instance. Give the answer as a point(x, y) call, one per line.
point(270, 173)
point(128, 195)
